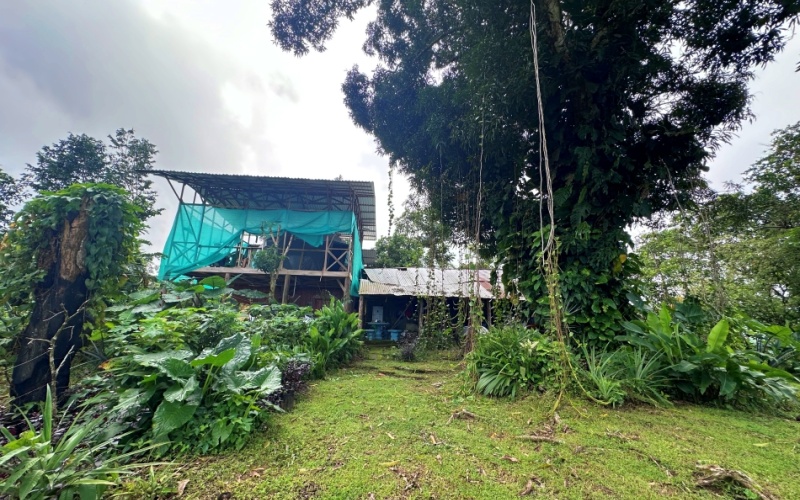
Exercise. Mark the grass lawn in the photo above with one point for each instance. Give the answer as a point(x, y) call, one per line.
point(383, 429)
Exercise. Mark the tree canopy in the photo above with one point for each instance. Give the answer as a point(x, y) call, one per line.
point(419, 239)
point(737, 251)
point(82, 159)
point(636, 96)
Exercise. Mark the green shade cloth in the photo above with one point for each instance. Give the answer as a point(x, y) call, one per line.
point(203, 235)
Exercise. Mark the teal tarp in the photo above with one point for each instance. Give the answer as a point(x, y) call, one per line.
point(202, 235)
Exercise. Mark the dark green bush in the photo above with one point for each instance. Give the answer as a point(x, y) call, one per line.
point(333, 339)
point(511, 359)
point(199, 402)
point(710, 367)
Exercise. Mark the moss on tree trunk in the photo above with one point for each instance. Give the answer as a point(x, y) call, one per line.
point(59, 295)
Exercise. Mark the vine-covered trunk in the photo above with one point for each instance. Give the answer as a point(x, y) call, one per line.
point(56, 320)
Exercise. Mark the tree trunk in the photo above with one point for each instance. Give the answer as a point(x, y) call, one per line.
point(60, 294)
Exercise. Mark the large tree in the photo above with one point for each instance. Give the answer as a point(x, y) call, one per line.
point(62, 260)
point(636, 95)
point(124, 162)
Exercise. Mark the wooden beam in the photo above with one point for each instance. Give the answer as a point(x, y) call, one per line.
point(250, 270)
point(420, 307)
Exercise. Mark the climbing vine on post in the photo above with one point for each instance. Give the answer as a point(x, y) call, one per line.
point(64, 254)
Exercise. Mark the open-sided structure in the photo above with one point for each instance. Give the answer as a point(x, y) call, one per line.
point(391, 299)
point(314, 226)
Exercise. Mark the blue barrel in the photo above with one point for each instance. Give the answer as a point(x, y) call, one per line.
point(394, 335)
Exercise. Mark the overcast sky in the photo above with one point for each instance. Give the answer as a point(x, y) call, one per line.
point(202, 80)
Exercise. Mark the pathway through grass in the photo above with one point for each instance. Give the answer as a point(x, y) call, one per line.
point(383, 429)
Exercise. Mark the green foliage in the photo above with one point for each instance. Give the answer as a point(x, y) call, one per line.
point(201, 402)
point(708, 368)
point(736, 251)
point(39, 465)
point(113, 230)
point(334, 338)
point(511, 359)
point(190, 372)
point(267, 260)
point(398, 250)
point(635, 96)
point(626, 374)
point(604, 377)
point(280, 325)
point(11, 193)
point(81, 159)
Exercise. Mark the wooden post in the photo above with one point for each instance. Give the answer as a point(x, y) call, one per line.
point(325, 257)
point(285, 296)
point(362, 306)
point(420, 309)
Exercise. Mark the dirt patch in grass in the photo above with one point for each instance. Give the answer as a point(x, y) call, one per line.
point(421, 370)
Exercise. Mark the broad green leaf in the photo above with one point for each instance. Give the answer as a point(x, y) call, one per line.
point(176, 369)
point(718, 336)
point(189, 392)
point(156, 360)
point(214, 282)
point(684, 367)
point(129, 402)
point(632, 327)
point(216, 360)
point(147, 308)
point(231, 342)
point(171, 415)
point(242, 354)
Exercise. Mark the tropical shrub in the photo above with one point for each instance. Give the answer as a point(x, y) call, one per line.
point(199, 402)
point(37, 464)
point(708, 368)
point(280, 324)
point(604, 377)
point(629, 373)
point(508, 360)
point(333, 339)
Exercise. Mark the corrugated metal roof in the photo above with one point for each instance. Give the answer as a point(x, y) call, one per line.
point(261, 192)
point(417, 281)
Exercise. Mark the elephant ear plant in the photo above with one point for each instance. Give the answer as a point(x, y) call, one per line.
point(199, 402)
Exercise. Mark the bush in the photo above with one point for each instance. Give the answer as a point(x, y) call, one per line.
point(39, 465)
point(334, 338)
point(628, 373)
point(511, 359)
point(199, 402)
point(708, 368)
point(280, 325)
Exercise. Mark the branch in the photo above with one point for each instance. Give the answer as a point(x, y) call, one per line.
point(553, 10)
